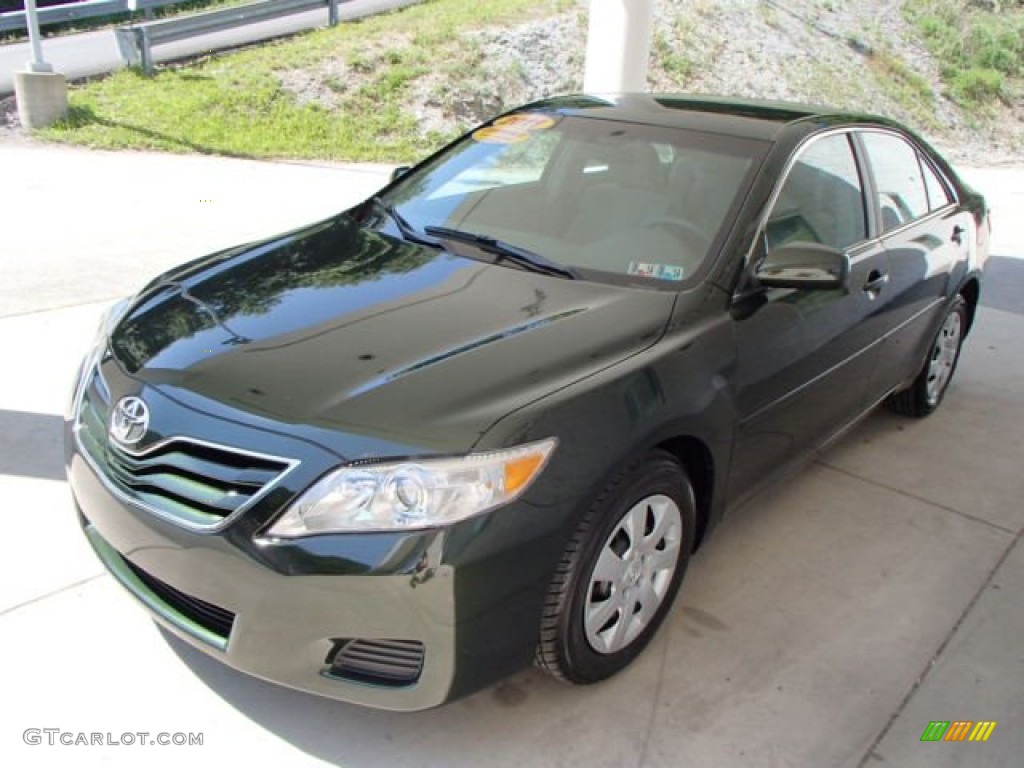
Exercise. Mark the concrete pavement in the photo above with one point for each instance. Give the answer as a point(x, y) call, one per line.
point(95, 53)
point(824, 625)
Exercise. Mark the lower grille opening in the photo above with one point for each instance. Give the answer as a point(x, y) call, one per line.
point(210, 617)
point(387, 663)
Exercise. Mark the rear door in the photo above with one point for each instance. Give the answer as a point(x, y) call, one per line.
point(926, 237)
point(805, 356)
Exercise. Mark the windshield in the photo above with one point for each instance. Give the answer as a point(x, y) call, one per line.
point(608, 200)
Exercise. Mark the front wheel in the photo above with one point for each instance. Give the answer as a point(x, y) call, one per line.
point(924, 395)
point(620, 572)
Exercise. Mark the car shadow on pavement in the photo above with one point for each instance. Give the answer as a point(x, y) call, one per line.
point(31, 445)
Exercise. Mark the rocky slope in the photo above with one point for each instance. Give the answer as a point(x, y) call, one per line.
point(856, 54)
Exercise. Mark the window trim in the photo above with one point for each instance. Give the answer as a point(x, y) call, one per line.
point(926, 166)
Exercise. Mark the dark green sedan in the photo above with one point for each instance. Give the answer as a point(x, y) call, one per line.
point(484, 418)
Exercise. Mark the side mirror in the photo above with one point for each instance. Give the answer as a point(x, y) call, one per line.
point(400, 171)
point(804, 266)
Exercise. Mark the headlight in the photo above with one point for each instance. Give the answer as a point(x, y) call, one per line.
point(411, 495)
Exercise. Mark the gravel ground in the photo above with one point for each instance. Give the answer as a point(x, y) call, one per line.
point(9, 123)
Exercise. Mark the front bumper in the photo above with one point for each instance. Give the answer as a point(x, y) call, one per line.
point(284, 628)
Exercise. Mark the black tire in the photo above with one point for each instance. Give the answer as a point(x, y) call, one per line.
point(564, 650)
point(925, 394)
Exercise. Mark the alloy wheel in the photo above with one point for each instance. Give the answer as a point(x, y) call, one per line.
point(943, 358)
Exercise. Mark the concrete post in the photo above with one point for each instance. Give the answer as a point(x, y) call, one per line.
point(41, 93)
point(618, 45)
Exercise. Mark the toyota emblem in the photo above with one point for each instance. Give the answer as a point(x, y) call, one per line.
point(129, 421)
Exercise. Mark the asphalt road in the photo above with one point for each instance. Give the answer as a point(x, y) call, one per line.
point(95, 53)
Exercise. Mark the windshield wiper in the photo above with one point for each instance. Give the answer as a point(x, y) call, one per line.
point(513, 253)
point(408, 231)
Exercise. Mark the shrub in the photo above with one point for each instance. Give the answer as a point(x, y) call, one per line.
point(978, 45)
point(977, 86)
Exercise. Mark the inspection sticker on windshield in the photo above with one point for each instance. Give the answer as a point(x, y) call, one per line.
point(512, 129)
point(659, 271)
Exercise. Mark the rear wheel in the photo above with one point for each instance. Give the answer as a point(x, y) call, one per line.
point(620, 572)
point(924, 395)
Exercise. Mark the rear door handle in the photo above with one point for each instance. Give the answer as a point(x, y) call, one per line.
point(958, 235)
point(876, 281)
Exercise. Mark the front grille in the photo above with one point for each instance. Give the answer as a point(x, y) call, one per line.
point(389, 663)
point(210, 617)
point(197, 483)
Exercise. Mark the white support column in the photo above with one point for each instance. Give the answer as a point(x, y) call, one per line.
point(37, 64)
point(618, 45)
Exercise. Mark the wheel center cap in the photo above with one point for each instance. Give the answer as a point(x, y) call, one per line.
point(633, 571)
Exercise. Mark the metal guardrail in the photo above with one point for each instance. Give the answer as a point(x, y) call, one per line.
point(136, 43)
point(90, 9)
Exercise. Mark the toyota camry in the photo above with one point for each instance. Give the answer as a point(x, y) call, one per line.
point(484, 418)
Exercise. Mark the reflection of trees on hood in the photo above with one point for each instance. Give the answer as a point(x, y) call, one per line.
point(334, 254)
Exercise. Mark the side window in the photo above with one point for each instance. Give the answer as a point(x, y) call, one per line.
point(901, 187)
point(938, 197)
point(822, 200)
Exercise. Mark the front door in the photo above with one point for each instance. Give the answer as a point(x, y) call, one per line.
point(804, 357)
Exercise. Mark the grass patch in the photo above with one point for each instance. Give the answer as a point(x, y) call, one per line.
point(672, 49)
point(909, 89)
point(981, 51)
point(977, 85)
point(237, 104)
point(673, 62)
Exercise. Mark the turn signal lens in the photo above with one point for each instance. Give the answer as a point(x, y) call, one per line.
point(519, 472)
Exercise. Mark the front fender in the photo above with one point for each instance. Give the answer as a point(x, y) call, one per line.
point(679, 388)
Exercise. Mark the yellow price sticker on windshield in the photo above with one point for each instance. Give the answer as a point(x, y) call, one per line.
point(526, 122)
point(513, 129)
point(499, 134)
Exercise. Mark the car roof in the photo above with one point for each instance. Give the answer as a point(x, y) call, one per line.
point(748, 118)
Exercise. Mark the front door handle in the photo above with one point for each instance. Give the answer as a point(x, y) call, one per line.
point(958, 235)
point(876, 281)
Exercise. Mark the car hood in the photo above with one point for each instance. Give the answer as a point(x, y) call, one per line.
point(348, 330)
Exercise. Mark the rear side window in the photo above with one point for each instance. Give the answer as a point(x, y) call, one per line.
point(898, 178)
point(938, 197)
point(822, 200)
